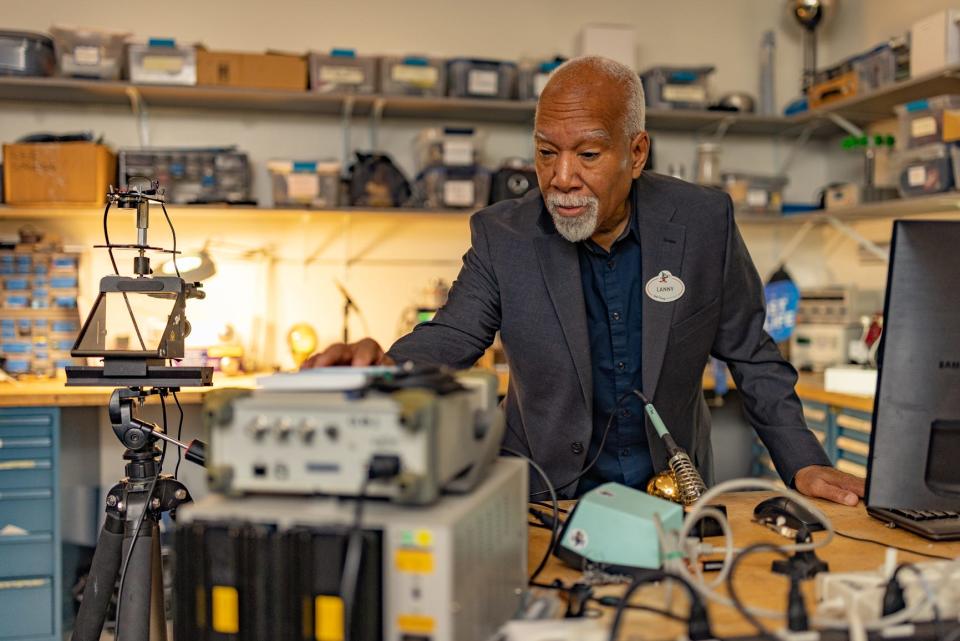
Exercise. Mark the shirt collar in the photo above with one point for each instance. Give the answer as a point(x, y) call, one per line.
point(632, 229)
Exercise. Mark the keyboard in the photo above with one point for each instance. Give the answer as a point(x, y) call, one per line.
point(937, 525)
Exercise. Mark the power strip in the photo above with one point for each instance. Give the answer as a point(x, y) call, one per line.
point(840, 592)
point(555, 630)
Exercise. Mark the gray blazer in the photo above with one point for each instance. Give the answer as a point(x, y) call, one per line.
point(522, 278)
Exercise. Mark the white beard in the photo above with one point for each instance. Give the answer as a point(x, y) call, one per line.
point(574, 228)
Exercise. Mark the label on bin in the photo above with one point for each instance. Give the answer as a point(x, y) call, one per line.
point(457, 153)
point(917, 176)
point(86, 55)
point(481, 82)
point(425, 77)
point(169, 64)
point(923, 127)
point(458, 193)
point(757, 198)
point(303, 186)
point(684, 93)
point(342, 75)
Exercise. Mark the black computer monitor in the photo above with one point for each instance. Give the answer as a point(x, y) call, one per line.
point(914, 458)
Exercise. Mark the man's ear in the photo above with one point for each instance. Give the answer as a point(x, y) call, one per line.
point(639, 150)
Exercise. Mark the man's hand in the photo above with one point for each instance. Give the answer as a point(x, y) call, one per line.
point(364, 352)
point(828, 483)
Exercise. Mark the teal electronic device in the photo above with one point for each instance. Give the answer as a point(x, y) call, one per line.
point(614, 525)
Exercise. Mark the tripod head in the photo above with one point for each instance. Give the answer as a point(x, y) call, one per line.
point(138, 435)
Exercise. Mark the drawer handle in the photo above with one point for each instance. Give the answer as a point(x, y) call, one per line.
point(25, 442)
point(23, 584)
point(12, 495)
point(25, 464)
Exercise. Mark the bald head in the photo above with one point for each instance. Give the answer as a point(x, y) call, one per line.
point(593, 80)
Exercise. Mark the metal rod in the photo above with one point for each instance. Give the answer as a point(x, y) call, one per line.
point(861, 240)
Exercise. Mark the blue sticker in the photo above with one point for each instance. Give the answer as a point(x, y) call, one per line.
point(783, 298)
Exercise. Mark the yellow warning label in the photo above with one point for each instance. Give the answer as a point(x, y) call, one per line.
point(415, 624)
point(414, 561)
point(424, 538)
point(226, 609)
point(328, 618)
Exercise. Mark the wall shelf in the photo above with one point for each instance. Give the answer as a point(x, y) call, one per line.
point(948, 203)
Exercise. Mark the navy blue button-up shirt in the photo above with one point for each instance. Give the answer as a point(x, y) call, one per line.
point(613, 295)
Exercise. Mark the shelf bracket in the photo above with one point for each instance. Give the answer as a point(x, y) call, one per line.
point(797, 146)
point(139, 108)
point(845, 124)
point(793, 244)
point(376, 117)
point(858, 238)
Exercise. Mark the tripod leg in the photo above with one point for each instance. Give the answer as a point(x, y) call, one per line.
point(100, 582)
point(134, 623)
point(158, 613)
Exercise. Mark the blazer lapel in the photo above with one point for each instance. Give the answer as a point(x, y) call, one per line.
point(662, 247)
point(561, 273)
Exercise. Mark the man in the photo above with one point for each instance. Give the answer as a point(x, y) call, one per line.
point(606, 280)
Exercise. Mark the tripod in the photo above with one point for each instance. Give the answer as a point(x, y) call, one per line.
point(129, 541)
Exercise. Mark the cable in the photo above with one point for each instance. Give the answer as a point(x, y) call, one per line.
point(555, 529)
point(612, 601)
point(889, 545)
point(173, 232)
point(143, 513)
point(745, 612)
point(593, 462)
point(176, 470)
point(113, 261)
point(349, 580)
point(699, 625)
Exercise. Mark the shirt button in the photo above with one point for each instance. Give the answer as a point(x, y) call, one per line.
point(576, 447)
point(621, 365)
point(625, 451)
point(615, 316)
point(611, 263)
point(625, 413)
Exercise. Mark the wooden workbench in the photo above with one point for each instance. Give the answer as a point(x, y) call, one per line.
point(756, 584)
point(55, 393)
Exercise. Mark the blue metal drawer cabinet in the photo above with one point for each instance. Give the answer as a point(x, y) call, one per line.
point(30, 574)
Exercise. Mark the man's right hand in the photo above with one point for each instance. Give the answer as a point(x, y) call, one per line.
point(364, 352)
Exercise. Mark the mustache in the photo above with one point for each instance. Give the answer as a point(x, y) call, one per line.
point(570, 200)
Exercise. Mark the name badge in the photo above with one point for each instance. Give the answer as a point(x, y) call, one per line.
point(665, 287)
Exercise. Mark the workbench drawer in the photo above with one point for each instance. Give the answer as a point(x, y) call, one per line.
point(27, 555)
point(854, 424)
point(30, 510)
point(25, 606)
point(21, 447)
point(817, 416)
point(26, 473)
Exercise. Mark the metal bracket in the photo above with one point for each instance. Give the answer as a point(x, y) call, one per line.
point(376, 116)
point(139, 108)
point(797, 145)
point(845, 124)
point(345, 127)
point(858, 238)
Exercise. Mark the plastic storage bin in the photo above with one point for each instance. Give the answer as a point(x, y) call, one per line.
point(162, 62)
point(755, 194)
point(342, 71)
point(926, 121)
point(676, 87)
point(444, 187)
point(925, 170)
point(305, 183)
point(533, 77)
point(191, 175)
point(451, 146)
point(89, 53)
point(412, 76)
point(24, 53)
point(469, 78)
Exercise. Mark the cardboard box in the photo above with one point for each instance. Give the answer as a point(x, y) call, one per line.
point(615, 41)
point(254, 70)
point(73, 173)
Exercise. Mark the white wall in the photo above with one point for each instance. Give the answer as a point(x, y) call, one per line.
point(726, 34)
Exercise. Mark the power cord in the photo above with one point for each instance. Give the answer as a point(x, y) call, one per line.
point(596, 457)
point(116, 270)
point(610, 601)
point(380, 468)
point(555, 527)
point(698, 621)
point(176, 469)
point(143, 513)
point(896, 547)
point(745, 612)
